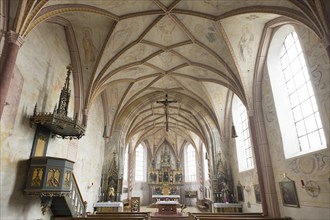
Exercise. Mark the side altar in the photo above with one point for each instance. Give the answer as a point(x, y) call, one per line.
point(165, 178)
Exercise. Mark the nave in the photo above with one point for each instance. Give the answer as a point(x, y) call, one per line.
point(214, 104)
point(189, 213)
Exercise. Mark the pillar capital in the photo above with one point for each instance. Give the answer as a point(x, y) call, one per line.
point(13, 37)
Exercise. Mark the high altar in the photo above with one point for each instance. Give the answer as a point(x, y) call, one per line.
point(165, 180)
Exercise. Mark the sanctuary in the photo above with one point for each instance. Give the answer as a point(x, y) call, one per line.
point(165, 176)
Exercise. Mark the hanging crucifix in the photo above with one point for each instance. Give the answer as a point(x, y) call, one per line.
point(166, 103)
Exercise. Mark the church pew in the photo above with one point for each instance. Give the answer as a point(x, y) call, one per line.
point(231, 216)
point(104, 218)
point(236, 218)
point(112, 216)
point(122, 215)
point(224, 214)
point(227, 213)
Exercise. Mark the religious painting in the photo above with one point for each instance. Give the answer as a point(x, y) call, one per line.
point(190, 194)
point(257, 193)
point(178, 177)
point(120, 186)
point(215, 185)
point(240, 193)
point(289, 193)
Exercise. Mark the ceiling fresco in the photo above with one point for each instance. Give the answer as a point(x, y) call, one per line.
point(134, 53)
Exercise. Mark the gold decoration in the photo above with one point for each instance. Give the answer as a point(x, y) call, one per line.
point(53, 178)
point(37, 177)
point(67, 178)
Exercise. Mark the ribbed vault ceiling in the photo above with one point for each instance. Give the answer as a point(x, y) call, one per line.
point(132, 53)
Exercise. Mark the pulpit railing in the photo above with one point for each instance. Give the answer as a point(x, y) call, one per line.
point(76, 201)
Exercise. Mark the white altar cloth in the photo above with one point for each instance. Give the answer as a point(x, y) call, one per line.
point(227, 205)
point(166, 196)
point(108, 204)
point(167, 202)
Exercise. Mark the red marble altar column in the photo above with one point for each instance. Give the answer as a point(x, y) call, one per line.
point(14, 42)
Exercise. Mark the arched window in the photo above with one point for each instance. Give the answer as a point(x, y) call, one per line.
point(139, 163)
point(296, 106)
point(190, 161)
point(243, 142)
point(206, 164)
point(125, 176)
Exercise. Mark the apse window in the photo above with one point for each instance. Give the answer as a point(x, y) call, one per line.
point(303, 106)
point(190, 162)
point(139, 163)
point(243, 142)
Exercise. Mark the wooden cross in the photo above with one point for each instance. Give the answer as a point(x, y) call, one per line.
point(166, 103)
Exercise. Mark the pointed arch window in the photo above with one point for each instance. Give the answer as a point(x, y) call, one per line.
point(140, 163)
point(296, 106)
point(206, 164)
point(243, 142)
point(125, 175)
point(190, 161)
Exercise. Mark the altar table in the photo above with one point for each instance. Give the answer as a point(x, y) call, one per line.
point(157, 198)
point(227, 207)
point(108, 206)
point(167, 207)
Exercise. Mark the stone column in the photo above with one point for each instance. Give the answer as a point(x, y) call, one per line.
point(14, 42)
point(264, 164)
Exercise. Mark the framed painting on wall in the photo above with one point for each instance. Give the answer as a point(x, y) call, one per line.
point(257, 193)
point(240, 193)
point(289, 193)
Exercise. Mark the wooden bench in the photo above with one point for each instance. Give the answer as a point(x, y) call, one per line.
point(112, 216)
point(251, 214)
point(237, 218)
point(122, 215)
point(103, 218)
point(232, 216)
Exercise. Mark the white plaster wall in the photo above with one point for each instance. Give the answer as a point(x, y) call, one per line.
point(38, 78)
point(90, 154)
point(313, 166)
point(247, 179)
point(141, 189)
point(189, 186)
point(16, 144)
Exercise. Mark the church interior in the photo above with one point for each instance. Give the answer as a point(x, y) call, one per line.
point(165, 109)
